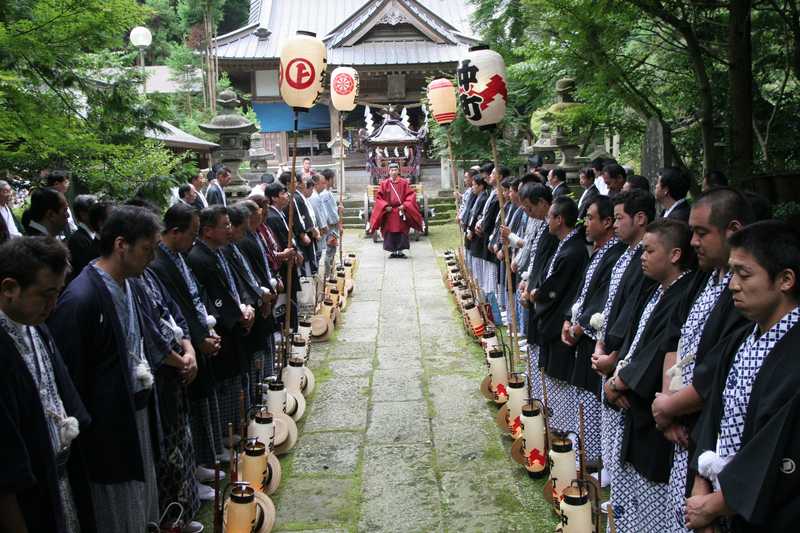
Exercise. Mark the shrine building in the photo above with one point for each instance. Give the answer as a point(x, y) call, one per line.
point(396, 45)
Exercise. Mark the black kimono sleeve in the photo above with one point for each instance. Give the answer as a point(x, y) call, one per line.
point(644, 446)
point(633, 284)
point(761, 483)
point(16, 471)
point(556, 293)
point(723, 321)
point(597, 293)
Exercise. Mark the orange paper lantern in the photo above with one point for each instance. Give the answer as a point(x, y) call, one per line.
point(303, 60)
point(344, 88)
point(482, 89)
point(442, 99)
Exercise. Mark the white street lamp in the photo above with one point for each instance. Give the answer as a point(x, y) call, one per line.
point(141, 38)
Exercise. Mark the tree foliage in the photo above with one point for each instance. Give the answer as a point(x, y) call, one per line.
point(666, 59)
point(65, 97)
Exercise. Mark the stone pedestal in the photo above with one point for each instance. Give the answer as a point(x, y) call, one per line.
point(656, 149)
point(446, 179)
point(234, 139)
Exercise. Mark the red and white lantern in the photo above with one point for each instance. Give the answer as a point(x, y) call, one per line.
point(482, 88)
point(442, 99)
point(344, 88)
point(302, 70)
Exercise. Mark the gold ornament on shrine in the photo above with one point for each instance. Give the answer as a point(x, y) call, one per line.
point(442, 99)
point(344, 88)
point(303, 60)
point(482, 88)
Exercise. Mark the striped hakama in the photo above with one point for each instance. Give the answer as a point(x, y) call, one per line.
point(177, 481)
point(128, 507)
point(207, 429)
point(489, 278)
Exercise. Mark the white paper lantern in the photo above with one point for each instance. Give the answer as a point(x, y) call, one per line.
point(302, 70)
point(482, 89)
point(442, 99)
point(344, 88)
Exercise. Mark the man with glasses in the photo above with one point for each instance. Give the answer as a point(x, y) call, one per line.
point(224, 302)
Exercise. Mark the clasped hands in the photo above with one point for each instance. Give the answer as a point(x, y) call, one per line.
point(665, 422)
point(248, 317)
point(570, 334)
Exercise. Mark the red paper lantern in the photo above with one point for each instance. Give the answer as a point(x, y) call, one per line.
point(482, 89)
point(344, 88)
point(303, 60)
point(442, 99)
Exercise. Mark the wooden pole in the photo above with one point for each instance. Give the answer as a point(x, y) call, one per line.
point(234, 464)
point(511, 311)
point(581, 447)
point(545, 410)
point(612, 526)
point(287, 323)
point(217, 500)
point(243, 414)
point(341, 187)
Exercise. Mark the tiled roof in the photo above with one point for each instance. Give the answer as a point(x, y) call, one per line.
point(272, 21)
point(177, 138)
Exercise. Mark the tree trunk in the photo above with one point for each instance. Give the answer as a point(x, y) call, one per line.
point(740, 91)
point(705, 93)
point(710, 154)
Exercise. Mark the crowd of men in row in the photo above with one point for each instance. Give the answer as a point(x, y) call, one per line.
point(674, 331)
point(128, 336)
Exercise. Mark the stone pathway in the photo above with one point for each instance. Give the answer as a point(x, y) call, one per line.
point(397, 436)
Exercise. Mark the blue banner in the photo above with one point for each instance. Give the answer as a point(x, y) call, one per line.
point(278, 116)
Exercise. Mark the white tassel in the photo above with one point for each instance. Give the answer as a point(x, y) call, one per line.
point(597, 321)
point(68, 429)
point(576, 307)
point(144, 375)
point(675, 378)
point(710, 465)
point(211, 321)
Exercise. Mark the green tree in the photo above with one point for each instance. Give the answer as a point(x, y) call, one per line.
point(721, 76)
point(66, 97)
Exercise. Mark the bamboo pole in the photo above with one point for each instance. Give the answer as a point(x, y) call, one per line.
point(341, 187)
point(511, 311)
point(287, 324)
point(218, 502)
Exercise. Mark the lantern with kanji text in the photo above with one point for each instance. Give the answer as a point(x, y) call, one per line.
point(482, 89)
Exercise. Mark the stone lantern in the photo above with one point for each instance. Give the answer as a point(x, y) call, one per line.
point(234, 139)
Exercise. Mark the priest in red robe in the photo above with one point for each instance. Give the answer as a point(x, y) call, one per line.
point(395, 212)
